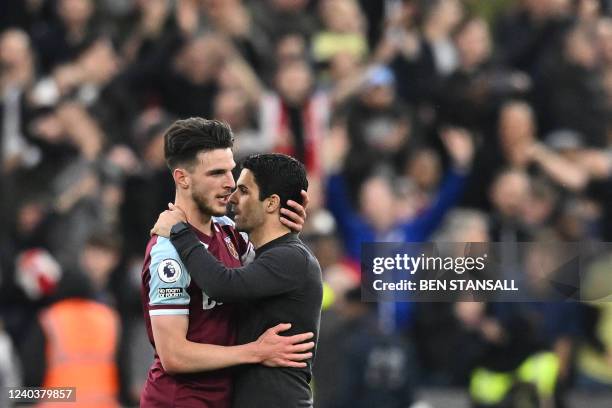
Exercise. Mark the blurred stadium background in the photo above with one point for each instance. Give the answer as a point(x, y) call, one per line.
point(384, 101)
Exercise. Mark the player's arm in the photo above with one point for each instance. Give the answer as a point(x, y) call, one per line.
point(179, 355)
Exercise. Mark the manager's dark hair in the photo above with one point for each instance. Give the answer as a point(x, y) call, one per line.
point(279, 174)
point(185, 138)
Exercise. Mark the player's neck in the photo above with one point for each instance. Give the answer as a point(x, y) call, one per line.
point(200, 221)
point(267, 232)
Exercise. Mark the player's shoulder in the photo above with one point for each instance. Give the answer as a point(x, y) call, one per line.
point(162, 246)
point(152, 241)
point(166, 266)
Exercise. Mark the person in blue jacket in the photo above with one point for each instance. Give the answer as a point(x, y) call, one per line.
point(378, 224)
point(356, 228)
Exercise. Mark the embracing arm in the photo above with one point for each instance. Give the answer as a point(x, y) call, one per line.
point(268, 275)
point(179, 355)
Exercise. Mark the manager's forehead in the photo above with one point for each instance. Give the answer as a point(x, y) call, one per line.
point(247, 178)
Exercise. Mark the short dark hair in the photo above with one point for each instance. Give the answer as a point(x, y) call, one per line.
point(279, 174)
point(185, 138)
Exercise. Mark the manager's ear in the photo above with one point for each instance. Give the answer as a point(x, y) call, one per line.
point(273, 204)
point(181, 178)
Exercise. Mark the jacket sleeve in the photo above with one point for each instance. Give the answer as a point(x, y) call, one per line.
point(275, 272)
point(339, 204)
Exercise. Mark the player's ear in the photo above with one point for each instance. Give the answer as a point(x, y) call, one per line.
point(181, 178)
point(272, 204)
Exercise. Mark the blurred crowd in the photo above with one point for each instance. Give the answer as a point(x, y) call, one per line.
point(449, 120)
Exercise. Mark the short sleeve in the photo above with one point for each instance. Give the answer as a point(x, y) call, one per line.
point(168, 282)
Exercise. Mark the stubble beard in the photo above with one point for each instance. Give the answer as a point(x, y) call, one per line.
point(249, 224)
point(242, 228)
point(241, 225)
point(204, 207)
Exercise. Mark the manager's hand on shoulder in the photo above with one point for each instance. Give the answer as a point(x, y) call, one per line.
point(167, 219)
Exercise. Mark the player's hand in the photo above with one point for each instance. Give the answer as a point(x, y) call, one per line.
point(274, 350)
point(294, 220)
point(167, 219)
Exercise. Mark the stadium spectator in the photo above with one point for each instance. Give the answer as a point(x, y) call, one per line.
point(473, 92)
point(295, 116)
point(376, 218)
point(529, 31)
point(71, 326)
point(63, 40)
point(378, 126)
point(279, 17)
point(343, 32)
point(571, 95)
point(373, 368)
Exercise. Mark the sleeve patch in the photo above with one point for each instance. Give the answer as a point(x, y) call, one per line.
point(169, 270)
point(166, 293)
point(169, 279)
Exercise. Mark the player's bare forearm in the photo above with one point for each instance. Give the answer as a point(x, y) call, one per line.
point(295, 217)
point(179, 355)
point(194, 357)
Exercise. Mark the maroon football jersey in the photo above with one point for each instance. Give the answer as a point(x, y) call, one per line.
point(167, 289)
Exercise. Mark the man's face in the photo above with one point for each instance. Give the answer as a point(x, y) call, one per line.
point(510, 193)
point(98, 263)
point(212, 181)
point(14, 49)
point(75, 11)
point(294, 83)
point(249, 211)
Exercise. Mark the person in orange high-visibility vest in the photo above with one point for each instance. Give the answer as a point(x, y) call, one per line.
point(79, 339)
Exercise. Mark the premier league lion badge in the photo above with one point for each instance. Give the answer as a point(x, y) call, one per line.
point(169, 270)
point(231, 248)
